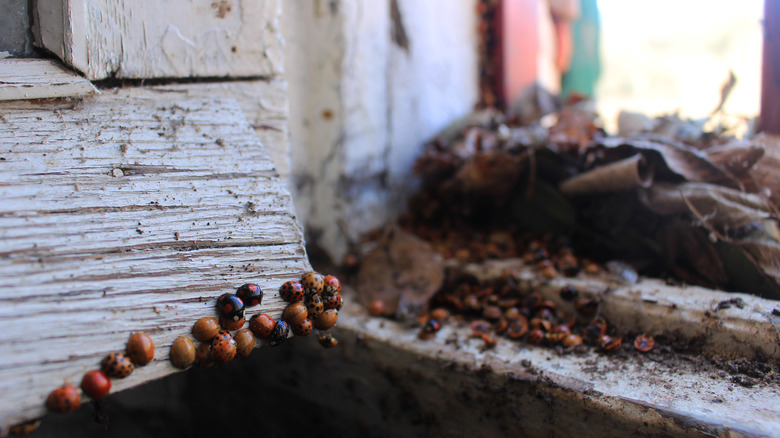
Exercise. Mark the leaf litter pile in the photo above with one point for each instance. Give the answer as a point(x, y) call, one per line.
point(665, 198)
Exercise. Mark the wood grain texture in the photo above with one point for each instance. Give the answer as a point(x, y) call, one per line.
point(263, 102)
point(40, 79)
point(148, 39)
point(125, 213)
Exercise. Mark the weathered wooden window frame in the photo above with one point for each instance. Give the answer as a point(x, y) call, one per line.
point(262, 241)
point(754, 326)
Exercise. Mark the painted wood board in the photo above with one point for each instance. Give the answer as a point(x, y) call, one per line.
point(40, 79)
point(149, 39)
point(120, 214)
point(263, 102)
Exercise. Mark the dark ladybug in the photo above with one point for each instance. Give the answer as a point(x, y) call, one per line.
point(230, 306)
point(250, 294)
point(279, 334)
point(429, 329)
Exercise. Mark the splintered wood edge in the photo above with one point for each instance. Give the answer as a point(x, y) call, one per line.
point(40, 79)
point(124, 214)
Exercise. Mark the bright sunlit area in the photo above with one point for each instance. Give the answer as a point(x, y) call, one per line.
point(671, 56)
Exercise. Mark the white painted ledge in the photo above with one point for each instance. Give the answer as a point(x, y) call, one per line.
point(40, 79)
point(146, 39)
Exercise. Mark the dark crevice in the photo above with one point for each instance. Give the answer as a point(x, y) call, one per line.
point(124, 82)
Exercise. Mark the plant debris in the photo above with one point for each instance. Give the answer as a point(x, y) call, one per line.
point(670, 199)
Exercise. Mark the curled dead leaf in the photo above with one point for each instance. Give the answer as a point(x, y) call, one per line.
point(685, 161)
point(402, 271)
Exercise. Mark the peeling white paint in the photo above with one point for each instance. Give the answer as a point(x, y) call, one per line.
point(361, 107)
point(178, 38)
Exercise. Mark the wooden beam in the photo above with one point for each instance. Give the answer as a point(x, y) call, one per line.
point(122, 213)
point(149, 39)
point(40, 79)
point(263, 102)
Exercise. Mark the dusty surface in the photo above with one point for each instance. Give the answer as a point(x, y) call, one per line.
point(382, 381)
point(127, 213)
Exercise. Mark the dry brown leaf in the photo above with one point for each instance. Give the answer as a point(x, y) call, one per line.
point(402, 271)
point(736, 157)
point(720, 206)
point(683, 160)
point(491, 174)
point(617, 176)
point(766, 255)
point(692, 256)
point(766, 172)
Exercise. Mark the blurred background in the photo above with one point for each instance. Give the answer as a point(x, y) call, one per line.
point(674, 55)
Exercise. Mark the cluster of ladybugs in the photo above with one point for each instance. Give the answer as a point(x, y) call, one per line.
point(314, 302)
point(96, 384)
point(509, 307)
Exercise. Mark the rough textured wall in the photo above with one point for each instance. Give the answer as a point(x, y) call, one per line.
point(369, 83)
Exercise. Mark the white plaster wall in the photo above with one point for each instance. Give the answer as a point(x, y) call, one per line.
point(361, 106)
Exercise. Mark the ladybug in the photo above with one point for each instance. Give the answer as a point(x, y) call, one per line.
point(644, 343)
point(140, 349)
point(569, 293)
point(203, 355)
point(205, 328)
point(223, 334)
point(245, 342)
point(182, 352)
point(223, 348)
point(518, 327)
point(279, 333)
point(116, 365)
point(230, 307)
point(332, 301)
point(291, 291)
point(64, 399)
point(229, 324)
point(294, 313)
point(332, 285)
point(314, 306)
point(312, 282)
point(429, 329)
point(261, 325)
point(609, 344)
point(327, 340)
point(25, 428)
point(376, 308)
point(250, 294)
point(327, 319)
point(96, 384)
point(303, 328)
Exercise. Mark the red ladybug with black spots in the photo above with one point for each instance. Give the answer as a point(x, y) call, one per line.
point(332, 301)
point(332, 285)
point(291, 291)
point(64, 399)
